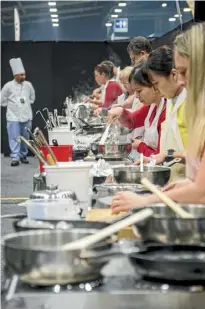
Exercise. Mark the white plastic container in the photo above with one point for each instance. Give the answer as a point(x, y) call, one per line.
point(74, 176)
point(63, 136)
point(61, 209)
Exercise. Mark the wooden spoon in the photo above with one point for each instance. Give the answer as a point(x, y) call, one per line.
point(90, 240)
point(174, 206)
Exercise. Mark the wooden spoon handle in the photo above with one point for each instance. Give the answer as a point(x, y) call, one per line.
point(108, 231)
point(174, 206)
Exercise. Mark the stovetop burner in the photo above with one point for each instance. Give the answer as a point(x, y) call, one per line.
point(86, 285)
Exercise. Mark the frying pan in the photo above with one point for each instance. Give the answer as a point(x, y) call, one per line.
point(78, 224)
point(171, 262)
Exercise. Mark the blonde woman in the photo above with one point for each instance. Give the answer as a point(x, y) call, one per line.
point(128, 98)
point(189, 60)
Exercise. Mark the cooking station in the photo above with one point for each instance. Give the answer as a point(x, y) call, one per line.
point(119, 288)
point(159, 272)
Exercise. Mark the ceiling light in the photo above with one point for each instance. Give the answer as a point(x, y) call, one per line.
point(186, 9)
point(55, 20)
point(122, 4)
point(114, 16)
point(54, 15)
point(108, 24)
point(55, 25)
point(172, 19)
point(177, 15)
point(118, 10)
point(53, 10)
point(52, 3)
point(164, 5)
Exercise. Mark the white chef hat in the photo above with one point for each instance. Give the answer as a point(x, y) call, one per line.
point(16, 66)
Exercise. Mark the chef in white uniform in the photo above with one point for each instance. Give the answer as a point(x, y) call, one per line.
point(18, 95)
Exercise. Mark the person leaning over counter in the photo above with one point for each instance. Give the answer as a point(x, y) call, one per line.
point(148, 118)
point(18, 95)
point(138, 49)
point(128, 98)
point(164, 77)
point(189, 58)
point(116, 76)
point(111, 89)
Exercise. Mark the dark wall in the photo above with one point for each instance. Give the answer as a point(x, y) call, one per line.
point(56, 70)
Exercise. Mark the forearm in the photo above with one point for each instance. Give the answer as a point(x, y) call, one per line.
point(95, 101)
point(191, 193)
point(128, 102)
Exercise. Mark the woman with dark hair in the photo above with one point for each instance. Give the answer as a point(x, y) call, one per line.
point(164, 77)
point(110, 89)
point(148, 118)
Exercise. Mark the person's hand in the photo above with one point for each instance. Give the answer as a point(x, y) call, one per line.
point(126, 200)
point(114, 114)
point(160, 157)
point(97, 112)
point(177, 184)
point(145, 161)
point(135, 143)
point(86, 99)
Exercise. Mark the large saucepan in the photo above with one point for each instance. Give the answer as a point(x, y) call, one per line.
point(165, 227)
point(158, 175)
point(37, 257)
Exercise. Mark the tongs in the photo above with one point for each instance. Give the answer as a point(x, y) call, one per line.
point(105, 135)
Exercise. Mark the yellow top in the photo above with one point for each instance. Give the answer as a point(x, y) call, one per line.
point(181, 122)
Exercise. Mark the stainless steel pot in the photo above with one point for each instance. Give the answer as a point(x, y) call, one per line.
point(111, 151)
point(165, 227)
point(158, 175)
point(110, 189)
point(38, 258)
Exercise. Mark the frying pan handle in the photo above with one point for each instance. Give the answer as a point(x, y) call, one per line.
point(116, 251)
point(13, 216)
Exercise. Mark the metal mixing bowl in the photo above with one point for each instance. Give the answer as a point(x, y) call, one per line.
point(111, 150)
point(158, 175)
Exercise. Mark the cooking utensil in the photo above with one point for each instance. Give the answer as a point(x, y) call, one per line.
point(111, 150)
point(93, 239)
point(39, 112)
point(36, 153)
point(37, 257)
point(141, 163)
point(165, 227)
point(24, 224)
point(56, 117)
point(50, 160)
point(45, 143)
point(36, 141)
point(171, 262)
point(174, 206)
point(110, 189)
point(159, 175)
point(172, 162)
point(105, 135)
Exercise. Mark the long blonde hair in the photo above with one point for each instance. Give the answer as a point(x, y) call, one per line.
point(191, 44)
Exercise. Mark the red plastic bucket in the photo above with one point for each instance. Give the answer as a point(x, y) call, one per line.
point(63, 153)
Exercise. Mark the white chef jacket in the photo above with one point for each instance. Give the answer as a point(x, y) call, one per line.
point(11, 96)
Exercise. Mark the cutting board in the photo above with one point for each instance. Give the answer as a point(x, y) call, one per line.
point(105, 215)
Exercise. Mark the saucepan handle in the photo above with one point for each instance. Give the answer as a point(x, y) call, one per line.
point(13, 216)
point(115, 251)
